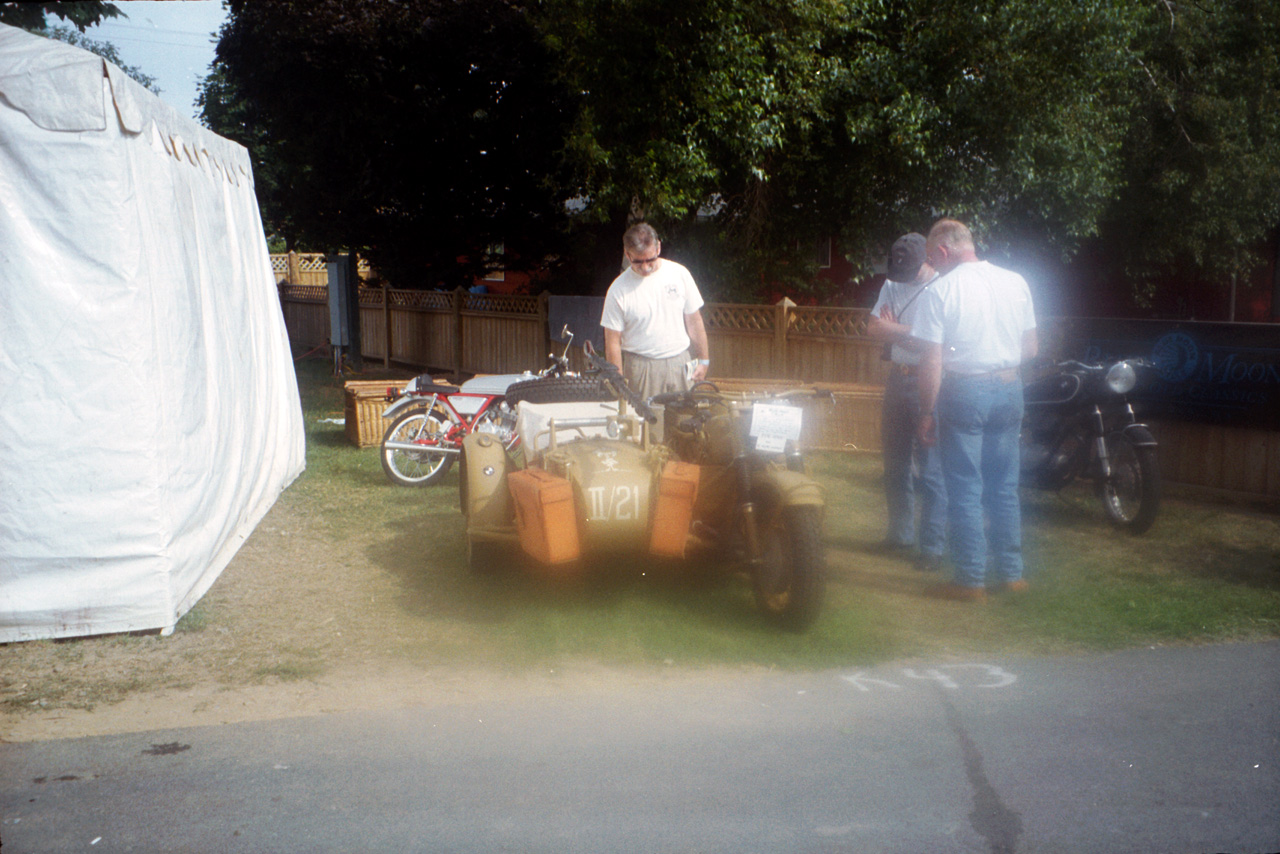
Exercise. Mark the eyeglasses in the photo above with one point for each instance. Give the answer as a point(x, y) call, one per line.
point(635, 261)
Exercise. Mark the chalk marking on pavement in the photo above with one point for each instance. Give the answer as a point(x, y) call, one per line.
point(1000, 678)
point(859, 681)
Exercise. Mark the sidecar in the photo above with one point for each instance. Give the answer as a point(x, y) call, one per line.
point(589, 480)
point(593, 480)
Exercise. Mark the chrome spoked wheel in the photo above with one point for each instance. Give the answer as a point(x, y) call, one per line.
point(1131, 495)
point(415, 467)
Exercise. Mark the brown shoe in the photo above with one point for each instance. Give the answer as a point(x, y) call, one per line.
point(1018, 585)
point(956, 592)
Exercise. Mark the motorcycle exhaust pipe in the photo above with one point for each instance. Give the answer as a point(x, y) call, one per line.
point(751, 531)
point(415, 447)
point(747, 508)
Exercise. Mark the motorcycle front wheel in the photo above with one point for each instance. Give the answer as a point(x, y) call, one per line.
point(415, 468)
point(790, 580)
point(1131, 495)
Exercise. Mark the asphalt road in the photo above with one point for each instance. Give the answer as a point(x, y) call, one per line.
point(1169, 749)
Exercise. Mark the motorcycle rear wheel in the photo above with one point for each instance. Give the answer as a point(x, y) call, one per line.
point(415, 468)
point(1131, 496)
point(790, 581)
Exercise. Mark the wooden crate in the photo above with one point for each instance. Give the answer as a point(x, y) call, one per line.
point(364, 401)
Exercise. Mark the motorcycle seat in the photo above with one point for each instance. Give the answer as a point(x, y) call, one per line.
point(427, 385)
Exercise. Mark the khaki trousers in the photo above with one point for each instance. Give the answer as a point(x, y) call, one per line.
point(648, 377)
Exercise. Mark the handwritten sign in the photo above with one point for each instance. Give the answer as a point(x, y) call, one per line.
point(773, 424)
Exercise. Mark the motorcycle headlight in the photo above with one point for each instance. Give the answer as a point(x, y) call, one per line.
point(1121, 378)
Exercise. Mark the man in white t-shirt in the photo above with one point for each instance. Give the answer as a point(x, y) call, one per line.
point(911, 468)
point(652, 320)
point(977, 325)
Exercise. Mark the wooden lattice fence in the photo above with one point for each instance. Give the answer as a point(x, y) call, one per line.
point(466, 333)
point(309, 268)
point(462, 333)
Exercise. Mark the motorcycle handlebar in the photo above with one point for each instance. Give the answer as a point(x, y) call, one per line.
point(1136, 361)
point(614, 378)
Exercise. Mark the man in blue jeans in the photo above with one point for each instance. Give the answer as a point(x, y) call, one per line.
point(977, 326)
point(911, 469)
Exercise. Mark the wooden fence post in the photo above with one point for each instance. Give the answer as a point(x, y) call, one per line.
point(781, 321)
point(386, 324)
point(542, 321)
point(459, 298)
point(291, 268)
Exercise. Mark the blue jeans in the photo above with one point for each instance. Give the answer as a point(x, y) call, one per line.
point(910, 469)
point(979, 419)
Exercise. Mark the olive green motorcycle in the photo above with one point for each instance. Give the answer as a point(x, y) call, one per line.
point(703, 476)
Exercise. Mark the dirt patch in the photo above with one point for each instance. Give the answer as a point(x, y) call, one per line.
point(297, 624)
point(300, 623)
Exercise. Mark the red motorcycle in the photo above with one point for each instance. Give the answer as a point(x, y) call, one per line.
point(432, 419)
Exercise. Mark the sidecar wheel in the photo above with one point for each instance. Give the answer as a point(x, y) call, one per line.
point(560, 390)
point(790, 580)
point(1131, 495)
point(415, 468)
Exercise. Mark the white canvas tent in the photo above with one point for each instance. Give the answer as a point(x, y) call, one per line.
point(149, 413)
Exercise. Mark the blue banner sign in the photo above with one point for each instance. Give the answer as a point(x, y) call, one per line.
point(1217, 372)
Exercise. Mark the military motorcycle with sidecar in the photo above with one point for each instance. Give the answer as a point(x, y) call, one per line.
point(698, 476)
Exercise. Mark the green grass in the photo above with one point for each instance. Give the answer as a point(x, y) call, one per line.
point(195, 620)
point(1206, 572)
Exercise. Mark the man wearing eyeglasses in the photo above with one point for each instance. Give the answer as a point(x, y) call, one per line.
point(652, 319)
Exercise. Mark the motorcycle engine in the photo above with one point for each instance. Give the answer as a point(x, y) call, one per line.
point(1050, 460)
point(503, 426)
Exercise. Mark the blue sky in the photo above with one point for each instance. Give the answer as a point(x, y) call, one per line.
point(170, 40)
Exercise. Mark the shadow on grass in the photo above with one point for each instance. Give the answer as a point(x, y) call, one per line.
point(623, 608)
point(1073, 508)
point(428, 554)
point(1256, 566)
point(332, 439)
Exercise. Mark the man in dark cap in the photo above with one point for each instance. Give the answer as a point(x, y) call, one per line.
point(910, 468)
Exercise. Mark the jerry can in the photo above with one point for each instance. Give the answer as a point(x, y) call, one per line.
point(673, 509)
point(545, 517)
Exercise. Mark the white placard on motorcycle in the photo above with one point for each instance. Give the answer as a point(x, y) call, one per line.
point(773, 424)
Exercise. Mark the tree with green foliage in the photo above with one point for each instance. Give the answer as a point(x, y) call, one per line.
point(33, 16)
point(1201, 157)
point(427, 131)
point(794, 119)
point(418, 132)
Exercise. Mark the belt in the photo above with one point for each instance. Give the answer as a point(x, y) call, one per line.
point(904, 370)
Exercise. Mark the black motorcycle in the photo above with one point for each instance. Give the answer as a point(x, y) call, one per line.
point(1079, 423)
